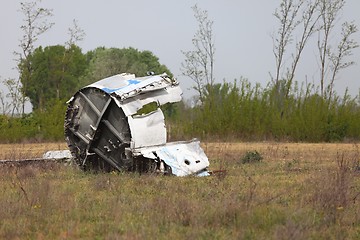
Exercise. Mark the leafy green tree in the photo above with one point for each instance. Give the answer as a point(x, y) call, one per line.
point(105, 62)
point(55, 73)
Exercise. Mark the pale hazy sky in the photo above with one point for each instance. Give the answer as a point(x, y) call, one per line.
point(242, 31)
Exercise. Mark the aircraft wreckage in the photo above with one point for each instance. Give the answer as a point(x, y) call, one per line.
point(106, 129)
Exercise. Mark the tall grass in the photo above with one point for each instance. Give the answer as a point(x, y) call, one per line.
point(314, 197)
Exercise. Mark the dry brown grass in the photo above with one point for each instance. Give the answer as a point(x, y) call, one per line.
point(318, 155)
point(270, 150)
point(277, 151)
point(27, 150)
point(298, 191)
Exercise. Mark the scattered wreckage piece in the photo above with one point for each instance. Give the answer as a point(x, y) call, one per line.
point(107, 127)
point(57, 155)
point(49, 156)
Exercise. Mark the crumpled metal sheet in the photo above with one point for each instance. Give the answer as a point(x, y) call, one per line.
point(103, 122)
point(184, 158)
point(170, 94)
point(148, 130)
point(132, 93)
point(60, 154)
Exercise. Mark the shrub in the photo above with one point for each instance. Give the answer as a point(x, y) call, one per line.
point(251, 157)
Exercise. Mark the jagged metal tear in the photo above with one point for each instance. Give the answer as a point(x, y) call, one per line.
point(148, 131)
point(184, 158)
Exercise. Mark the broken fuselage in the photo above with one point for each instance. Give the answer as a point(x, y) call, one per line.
point(105, 128)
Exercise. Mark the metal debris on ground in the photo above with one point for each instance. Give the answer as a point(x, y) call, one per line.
point(116, 123)
point(57, 155)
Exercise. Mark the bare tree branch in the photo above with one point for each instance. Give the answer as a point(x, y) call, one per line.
point(309, 27)
point(329, 11)
point(5, 105)
point(199, 63)
point(287, 15)
point(14, 92)
point(35, 24)
point(344, 49)
point(76, 34)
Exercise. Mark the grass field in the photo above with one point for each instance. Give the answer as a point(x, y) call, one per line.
point(26, 151)
point(297, 191)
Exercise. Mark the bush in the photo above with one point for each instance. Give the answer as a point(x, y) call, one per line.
point(245, 112)
point(251, 157)
point(51, 122)
point(43, 126)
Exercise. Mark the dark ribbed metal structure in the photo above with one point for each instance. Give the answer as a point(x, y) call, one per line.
point(97, 131)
